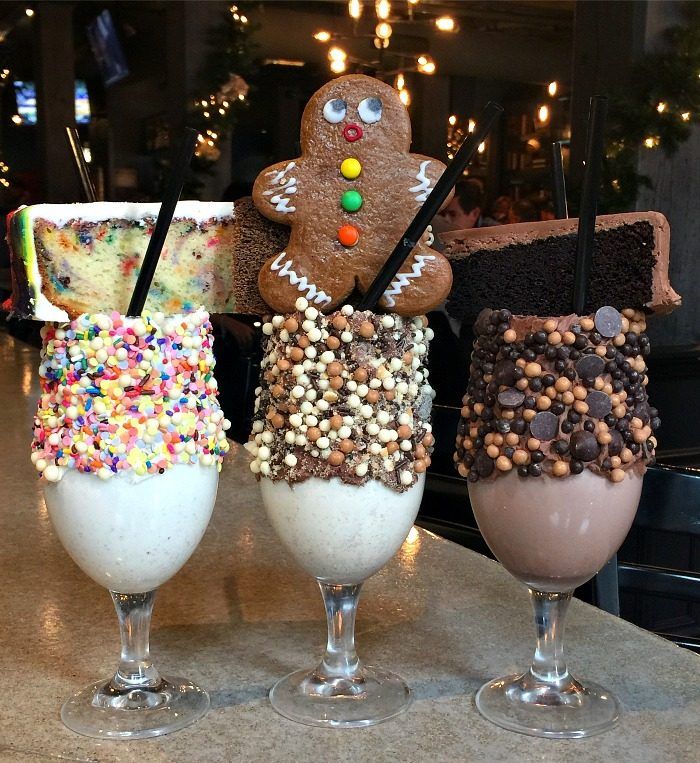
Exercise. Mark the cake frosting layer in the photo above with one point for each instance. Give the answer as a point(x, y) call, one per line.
point(557, 396)
point(528, 268)
point(68, 259)
point(127, 394)
point(343, 395)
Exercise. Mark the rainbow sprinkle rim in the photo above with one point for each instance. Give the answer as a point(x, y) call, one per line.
point(128, 393)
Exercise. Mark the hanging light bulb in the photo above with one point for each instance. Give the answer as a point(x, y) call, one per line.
point(405, 97)
point(322, 35)
point(426, 65)
point(383, 9)
point(337, 54)
point(552, 88)
point(355, 9)
point(445, 24)
point(383, 30)
point(338, 66)
point(29, 12)
point(543, 114)
point(400, 81)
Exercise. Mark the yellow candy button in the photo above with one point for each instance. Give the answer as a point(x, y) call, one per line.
point(350, 168)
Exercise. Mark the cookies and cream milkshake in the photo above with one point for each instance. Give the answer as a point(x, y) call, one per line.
point(129, 438)
point(341, 441)
point(342, 437)
point(555, 434)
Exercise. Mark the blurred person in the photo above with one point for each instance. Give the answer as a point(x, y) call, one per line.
point(498, 214)
point(464, 211)
point(523, 211)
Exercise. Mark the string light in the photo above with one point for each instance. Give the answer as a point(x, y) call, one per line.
point(685, 116)
point(337, 66)
point(16, 119)
point(379, 43)
point(651, 142)
point(322, 35)
point(482, 147)
point(405, 97)
point(337, 54)
point(543, 114)
point(445, 24)
point(29, 12)
point(452, 120)
point(552, 88)
point(471, 125)
point(4, 73)
point(661, 107)
point(400, 81)
point(383, 30)
point(355, 9)
point(383, 9)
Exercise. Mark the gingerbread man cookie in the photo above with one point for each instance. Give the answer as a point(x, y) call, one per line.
point(348, 199)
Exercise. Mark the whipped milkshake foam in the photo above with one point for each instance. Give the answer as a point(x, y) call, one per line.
point(555, 534)
point(130, 533)
point(337, 532)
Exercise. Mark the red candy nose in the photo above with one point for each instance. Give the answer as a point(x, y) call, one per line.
point(352, 132)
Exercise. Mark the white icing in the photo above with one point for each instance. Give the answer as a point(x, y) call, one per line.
point(313, 294)
point(429, 236)
point(332, 114)
point(289, 186)
point(423, 188)
point(370, 110)
point(402, 279)
point(60, 214)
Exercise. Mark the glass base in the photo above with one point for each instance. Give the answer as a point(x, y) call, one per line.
point(103, 712)
point(528, 706)
point(306, 697)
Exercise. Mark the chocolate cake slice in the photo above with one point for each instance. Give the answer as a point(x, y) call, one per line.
point(528, 268)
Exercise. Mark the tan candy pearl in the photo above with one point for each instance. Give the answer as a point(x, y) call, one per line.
point(617, 475)
point(509, 336)
point(336, 458)
point(339, 322)
point(291, 324)
point(504, 464)
point(560, 468)
point(367, 329)
point(549, 326)
point(347, 446)
point(554, 338)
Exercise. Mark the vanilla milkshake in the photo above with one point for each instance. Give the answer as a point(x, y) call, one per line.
point(129, 439)
point(341, 441)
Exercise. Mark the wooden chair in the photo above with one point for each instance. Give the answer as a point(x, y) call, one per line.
point(670, 504)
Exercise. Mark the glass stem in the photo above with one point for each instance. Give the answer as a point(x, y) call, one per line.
point(136, 670)
point(340, 659)
point(549, 663)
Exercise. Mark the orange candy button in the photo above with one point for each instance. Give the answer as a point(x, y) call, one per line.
point(348, 235)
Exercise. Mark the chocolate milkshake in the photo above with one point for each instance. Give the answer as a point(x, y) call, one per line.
point(556, 430)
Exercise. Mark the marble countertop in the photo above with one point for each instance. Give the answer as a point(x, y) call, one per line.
point(241, 614)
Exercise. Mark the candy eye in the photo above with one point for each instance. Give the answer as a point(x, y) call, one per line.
point(370, 110)
point(334, 111)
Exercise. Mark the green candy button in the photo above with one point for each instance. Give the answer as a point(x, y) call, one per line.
point(351, 201)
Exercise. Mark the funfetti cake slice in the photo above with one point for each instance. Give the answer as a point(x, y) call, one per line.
point(529, 268)
point(68, 259)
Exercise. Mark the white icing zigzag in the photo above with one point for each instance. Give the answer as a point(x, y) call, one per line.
point(302, 283)
point(289, 186)
point(423, 188)
point(402, 279)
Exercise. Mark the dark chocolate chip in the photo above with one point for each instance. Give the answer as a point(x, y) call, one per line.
point(504, 373)
point(483, 463)
point(523, 471)
point(576, 467)
point(511, 398)
point(584, 446)
point(567, 427)
point(534, 470)
point(544, 426)
point(537, 456)
point(608, 321)
point(589, 425)
point(617, 443)
point(590, 366)
point(580, 342)
point(503, 426)
point(599, 404)
point(560, 447)
point(518, 426)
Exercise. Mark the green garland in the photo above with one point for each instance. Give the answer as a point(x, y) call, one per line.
point(656, 111)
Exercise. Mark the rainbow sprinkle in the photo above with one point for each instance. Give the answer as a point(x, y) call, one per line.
point(128, 393)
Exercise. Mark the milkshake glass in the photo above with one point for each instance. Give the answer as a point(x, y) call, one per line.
point(128, 438)
point(341, 442)
point(555, 435)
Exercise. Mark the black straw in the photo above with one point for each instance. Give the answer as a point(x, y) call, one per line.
point(165, 216)
point(435, 199)
point(589, 199)
point(81, 166)
point(561, 210)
